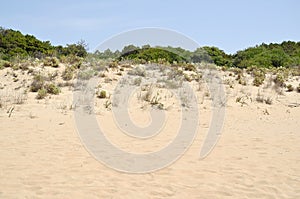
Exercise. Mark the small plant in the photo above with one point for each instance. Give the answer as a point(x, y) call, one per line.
point(51, 61)
point(269, 100)
point(138, 71)
point(119, 73)
point(229, 82)
point(42, 93)
point(52, 89)
point(290, 88)
point(187, 78)
point(102, 75)
point(155, 99)
point(148, 95)
point(107, 104)
point(52, 76)
point(68, 73)
point(279, 80)
point(38, 83)
point(298, 89)
point(101, 94)
point(113, 65)
point(5, 64)
point(86, 74)
point(189, 67)
point(259, 76)
point(137, 81)
point(243, 100)
point(260, 98)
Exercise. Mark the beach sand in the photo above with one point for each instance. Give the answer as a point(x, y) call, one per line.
point(257, 155)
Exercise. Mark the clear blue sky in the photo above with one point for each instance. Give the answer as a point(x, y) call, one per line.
point(228, 24)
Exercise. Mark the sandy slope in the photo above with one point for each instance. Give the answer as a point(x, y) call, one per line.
point(257, 156)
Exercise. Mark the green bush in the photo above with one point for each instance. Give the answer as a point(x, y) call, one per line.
point(42, 93)
point(5, 64)
point(189, 67)
point(101, 94)
point(68, 73)
point(51, 61)
point(259, 76)
point(279, 80)
point(38, 83)
point(290, 88)
point(52, 89)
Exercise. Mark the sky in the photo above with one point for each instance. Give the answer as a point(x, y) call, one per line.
point(231, 25)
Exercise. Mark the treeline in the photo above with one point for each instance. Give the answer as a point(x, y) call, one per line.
point(14, 44)
point(286, 54)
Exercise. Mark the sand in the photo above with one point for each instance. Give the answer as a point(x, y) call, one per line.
point(257, 156)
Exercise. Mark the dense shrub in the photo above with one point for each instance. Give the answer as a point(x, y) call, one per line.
point(259, 76)
point(5, 64)
point(13, 44)
point(37, 83)
point(52, 89)
point(51, 61)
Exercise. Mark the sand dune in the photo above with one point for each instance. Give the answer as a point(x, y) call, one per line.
point(257, 155)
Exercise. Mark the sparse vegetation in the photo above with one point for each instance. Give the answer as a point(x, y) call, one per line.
point(137, 81)
point(107, 104)
point(42, 93)
point(68, 73)
point(86, 74)
point(243, 100)
point(262, 99)
point(138, 71)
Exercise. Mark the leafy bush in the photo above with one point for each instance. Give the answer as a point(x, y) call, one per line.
point(113, 65)
point(279, 80)
point(51, 61)
point(189, 67)
point(38, 83)
point(14, 44)
point(285, 54)
point(52, 89)
point(5, 64)
point(259, 76)
point(158, 55)
point(42, 93)
point(68, 73)
point(101, 94)
point(290, 88)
